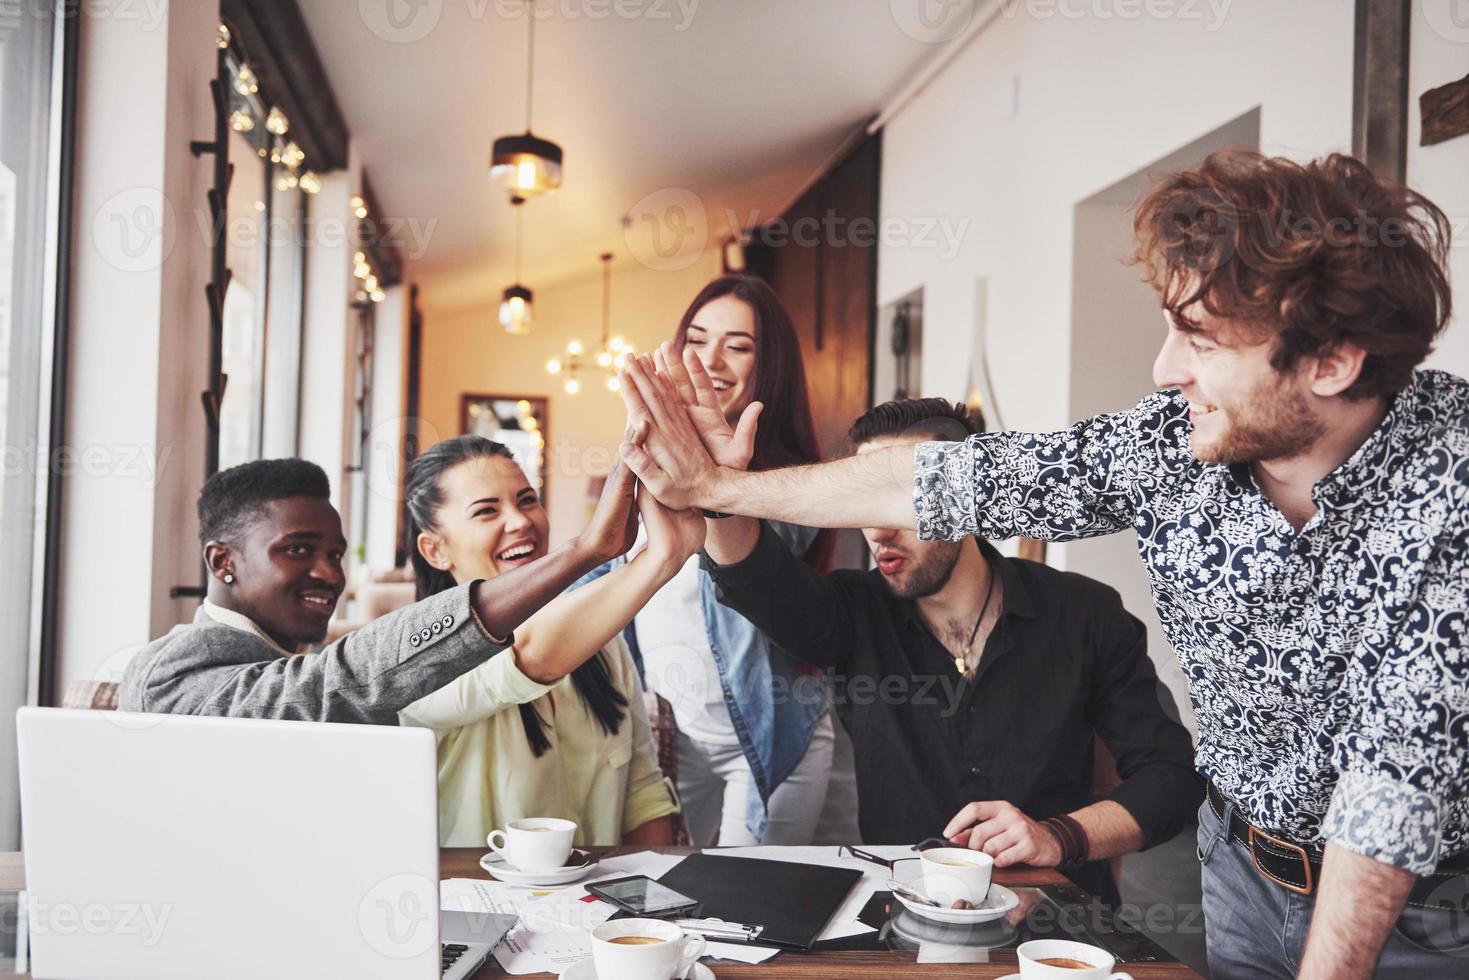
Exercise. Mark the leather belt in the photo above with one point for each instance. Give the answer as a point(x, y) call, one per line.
point(1297, 867)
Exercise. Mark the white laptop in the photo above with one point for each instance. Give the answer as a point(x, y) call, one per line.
point(163, 846)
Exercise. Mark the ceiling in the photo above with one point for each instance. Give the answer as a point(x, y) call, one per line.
point(727, 105)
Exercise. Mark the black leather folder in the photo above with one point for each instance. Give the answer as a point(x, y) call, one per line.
point(791, 902)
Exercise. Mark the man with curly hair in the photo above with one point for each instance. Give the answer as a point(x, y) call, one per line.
point(1299, 489)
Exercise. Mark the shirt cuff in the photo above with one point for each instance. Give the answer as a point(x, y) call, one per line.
point(649, 802)
point(510, 685)
point(485, 630)
point(1379, 817)
point(944, 490)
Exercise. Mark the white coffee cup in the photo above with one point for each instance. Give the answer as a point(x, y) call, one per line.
point(1100, 968)
point(953, 873)
point(664, 952)
point(534, 844)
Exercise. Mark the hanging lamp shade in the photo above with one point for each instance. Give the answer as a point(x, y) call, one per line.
point(526, 164)
point(515, 309)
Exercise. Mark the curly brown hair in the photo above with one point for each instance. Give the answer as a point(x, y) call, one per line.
point(1310, 255)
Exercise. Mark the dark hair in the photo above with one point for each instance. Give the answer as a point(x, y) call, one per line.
point(424, 494)
point(232, 498)
point(787, 434)
point(936, 418)
point(1313, 255)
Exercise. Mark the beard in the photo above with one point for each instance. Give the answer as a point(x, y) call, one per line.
point(1272, 422)
point(929, 575)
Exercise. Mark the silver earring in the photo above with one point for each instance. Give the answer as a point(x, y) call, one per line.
point(229, 579)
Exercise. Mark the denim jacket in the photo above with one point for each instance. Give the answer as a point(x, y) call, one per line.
point(774, 701)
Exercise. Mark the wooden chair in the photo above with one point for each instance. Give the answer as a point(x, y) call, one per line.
point(665, 741)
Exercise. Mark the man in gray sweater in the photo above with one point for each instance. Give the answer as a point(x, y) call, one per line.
point(273, 545)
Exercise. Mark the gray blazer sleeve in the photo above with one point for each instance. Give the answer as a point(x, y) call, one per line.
point(365, 677)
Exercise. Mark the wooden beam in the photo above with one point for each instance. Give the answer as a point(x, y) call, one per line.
point(1445, 112)
point(274, 38)
point(1380, 87)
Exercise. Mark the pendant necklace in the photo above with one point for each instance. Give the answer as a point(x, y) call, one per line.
point(962, 663)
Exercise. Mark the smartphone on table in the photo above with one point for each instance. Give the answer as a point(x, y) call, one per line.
point(644, 897)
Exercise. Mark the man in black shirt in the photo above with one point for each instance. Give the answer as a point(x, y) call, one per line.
point(974, 685)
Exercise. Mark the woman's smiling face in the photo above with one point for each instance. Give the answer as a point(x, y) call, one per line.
point(723, 335)
point(491, 520)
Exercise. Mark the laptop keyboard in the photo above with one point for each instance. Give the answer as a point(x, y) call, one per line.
point(459, 961)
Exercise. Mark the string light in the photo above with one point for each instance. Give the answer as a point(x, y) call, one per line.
point(243, 122)
point(277, 122)
point(613, 352)
point(245, 81)
point(310, 183)
point(222, 37)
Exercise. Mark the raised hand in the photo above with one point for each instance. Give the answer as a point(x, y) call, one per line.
point(673, 535)
point(729, 447)
point(663, 447)
point(614, 524)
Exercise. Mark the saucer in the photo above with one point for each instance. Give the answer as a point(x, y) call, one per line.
point(999, 901)
point(587, 970)
point(503, 870)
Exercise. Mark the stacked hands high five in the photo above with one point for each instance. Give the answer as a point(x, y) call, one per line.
point(677, 437)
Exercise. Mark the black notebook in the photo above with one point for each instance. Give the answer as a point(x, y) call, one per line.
point(792, 902)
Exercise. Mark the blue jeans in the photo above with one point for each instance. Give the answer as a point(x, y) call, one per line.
point(1256, 930)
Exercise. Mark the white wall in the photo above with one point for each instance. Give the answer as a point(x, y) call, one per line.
point(138, 336)
point(466, 351)
point(1439, 54)
point(1038, 114)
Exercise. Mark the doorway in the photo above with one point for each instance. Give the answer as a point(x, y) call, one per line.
point(1116, 329)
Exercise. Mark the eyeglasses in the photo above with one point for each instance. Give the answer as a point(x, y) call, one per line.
point(890, 863)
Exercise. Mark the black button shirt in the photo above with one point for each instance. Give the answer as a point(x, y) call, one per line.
point(1065, 663)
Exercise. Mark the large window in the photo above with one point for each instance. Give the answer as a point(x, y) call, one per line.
point(30, 125)
point(262, 306)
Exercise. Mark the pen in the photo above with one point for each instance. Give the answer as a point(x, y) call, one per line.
point(719, 929)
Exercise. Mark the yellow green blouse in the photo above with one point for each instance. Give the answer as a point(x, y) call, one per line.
point(488, 774)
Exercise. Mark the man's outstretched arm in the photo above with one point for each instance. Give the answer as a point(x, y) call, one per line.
point(871, 490)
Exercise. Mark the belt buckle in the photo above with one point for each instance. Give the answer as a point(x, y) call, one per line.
point(1285, 845)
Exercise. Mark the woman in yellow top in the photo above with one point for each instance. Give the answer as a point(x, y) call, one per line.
point(578, 745)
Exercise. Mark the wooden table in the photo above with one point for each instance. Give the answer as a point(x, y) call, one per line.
point(821, 965)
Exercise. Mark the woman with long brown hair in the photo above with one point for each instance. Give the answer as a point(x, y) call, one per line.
point(755, 732)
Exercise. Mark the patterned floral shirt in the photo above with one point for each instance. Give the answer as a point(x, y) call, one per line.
point(1329, 669)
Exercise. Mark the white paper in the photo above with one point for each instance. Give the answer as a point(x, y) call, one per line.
point(555, 923)
point(552, 933)
point(739, 952)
